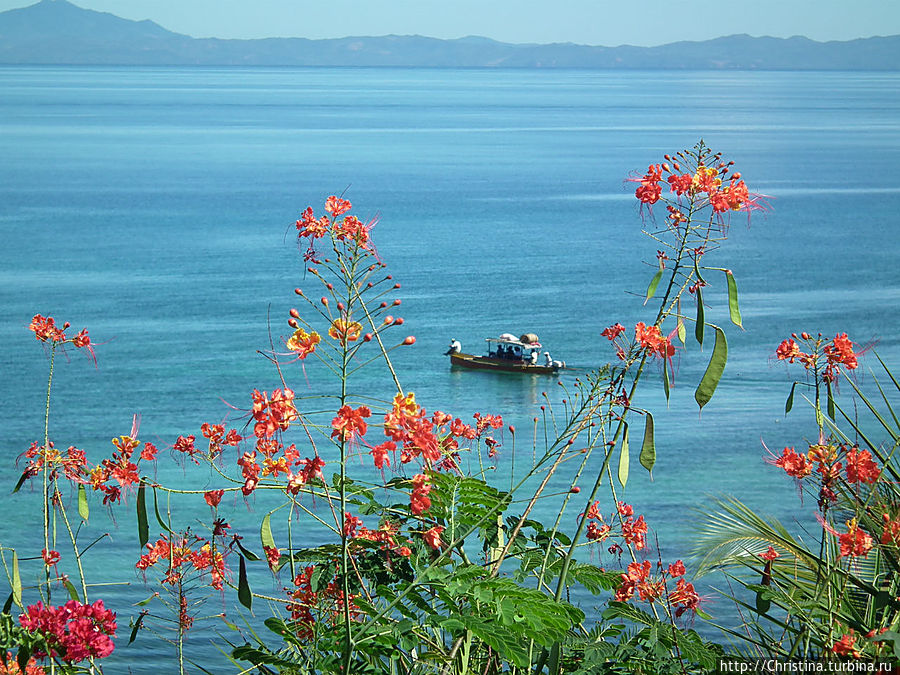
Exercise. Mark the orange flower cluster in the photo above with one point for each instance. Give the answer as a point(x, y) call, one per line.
point(110, 477)
point(651, 339)
point(11, 667)
point(328, 602)
point(836, 353)
point(706, 181)
point(348, 229)
point(46, 330)
point(433, 439)
point(638, 579)
point(273, 415)
point(180, 553)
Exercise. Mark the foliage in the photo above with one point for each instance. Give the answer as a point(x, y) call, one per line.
point(412, 558)
point(837, 595)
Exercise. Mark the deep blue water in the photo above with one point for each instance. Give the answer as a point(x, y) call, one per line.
point(155, 207)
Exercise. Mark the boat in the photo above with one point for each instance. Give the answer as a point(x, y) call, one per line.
point(509, 354)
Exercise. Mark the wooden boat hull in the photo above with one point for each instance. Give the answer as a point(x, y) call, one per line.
point(503, 365)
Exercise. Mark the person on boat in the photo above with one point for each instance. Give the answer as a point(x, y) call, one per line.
point(455, 347)
point(548, 360)
point(533, 357)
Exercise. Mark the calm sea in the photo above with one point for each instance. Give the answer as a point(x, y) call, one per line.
point(155, 207)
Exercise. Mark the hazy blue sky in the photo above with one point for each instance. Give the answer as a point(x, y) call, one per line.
point(595, 22)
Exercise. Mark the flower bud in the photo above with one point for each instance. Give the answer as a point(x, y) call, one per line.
point(396, 302)
point(411, 340)
point(804, 335)
point(398, 321)
point(575, 490)
point(329, 286)
point(396, 285)
point(388, 319)
point(66, 325)
point(324, 301)
point(298, 292)
point(294, 313)
point(389, 277)
point(293, 324)
point(367, 337)
point(383, 305)
point(512, 429)
point(370, 285)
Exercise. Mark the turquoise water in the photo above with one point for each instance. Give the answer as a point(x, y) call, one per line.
point(155, 207)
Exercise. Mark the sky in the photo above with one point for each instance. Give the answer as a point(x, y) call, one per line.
point(591, 22)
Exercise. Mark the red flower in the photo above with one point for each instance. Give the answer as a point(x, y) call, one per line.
point(310, 227)
point(337, 206)
point(273, 555)
point(213, 497)
point(788, 351)
point(433, 537)
point(74, 631)
point(149, 452)
point(676, 569)
point(45, 329)
point(845, 646)
point(312, 469)
point(186, 445)
point(380, 453)
point(598, 532)
point(860, 467)
point(651, 339)
point(684, 598)
point(769, 555)
point(349, 422)
point(50, 557)
point(794, 464)
point(635, 532)
point(855, 542)
point(649, 190)
point(613, 331)
point(419, 501)
point(273, 415)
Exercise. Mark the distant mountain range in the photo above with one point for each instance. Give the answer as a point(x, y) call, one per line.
point(58, 32)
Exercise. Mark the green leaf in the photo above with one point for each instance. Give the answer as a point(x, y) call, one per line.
point(830, 401)
point(248, 554)
point(70, 587)
point(648, 447)
point(143, 526)
point(623, 459)
point(265, 533)
point(83, 508)
point(701, 320)
point(654, 282)
point(763, 604)
point(790, 400)
point(682, 332)
point(16, 580)
point(136, 627)
point(159, 519)
point(714, 370)
point(665, 366)
point(733, 307)
point(25, 476)
point(244, 595)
